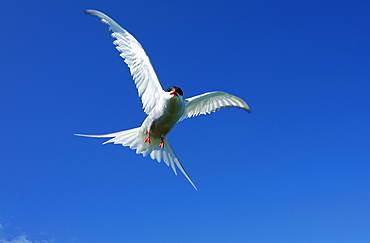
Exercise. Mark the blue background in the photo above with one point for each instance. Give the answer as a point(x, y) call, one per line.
point(294, 170)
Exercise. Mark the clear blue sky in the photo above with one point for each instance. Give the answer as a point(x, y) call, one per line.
point(296, 169)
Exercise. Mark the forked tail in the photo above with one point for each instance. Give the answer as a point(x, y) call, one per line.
point(134, 138)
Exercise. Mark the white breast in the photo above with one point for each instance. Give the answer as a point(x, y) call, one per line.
point(164, 116)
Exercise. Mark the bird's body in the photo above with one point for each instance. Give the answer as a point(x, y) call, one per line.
point(164, 108)
point(164, 117)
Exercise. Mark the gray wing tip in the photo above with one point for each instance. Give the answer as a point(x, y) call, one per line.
point(244, 107)
point(96, 13)
point(89, 11)
point(103, 18)
point(92, 12)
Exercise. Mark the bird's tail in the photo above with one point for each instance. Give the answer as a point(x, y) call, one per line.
point(135, 139)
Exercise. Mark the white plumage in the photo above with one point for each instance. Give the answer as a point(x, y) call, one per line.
point(164, 108)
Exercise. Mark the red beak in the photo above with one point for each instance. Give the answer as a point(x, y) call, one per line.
point(174, 93)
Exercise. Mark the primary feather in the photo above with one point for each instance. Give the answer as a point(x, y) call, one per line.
point(135, 57)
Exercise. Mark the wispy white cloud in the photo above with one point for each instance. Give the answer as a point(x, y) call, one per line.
point(22, 238)
point(18, 239)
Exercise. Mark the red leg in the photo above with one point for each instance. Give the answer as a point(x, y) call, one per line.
point(147, 140)
point(161, 144)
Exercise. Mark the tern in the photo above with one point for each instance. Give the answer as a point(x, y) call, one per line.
point(164, 108)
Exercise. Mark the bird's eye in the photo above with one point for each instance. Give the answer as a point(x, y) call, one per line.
point(171, 88)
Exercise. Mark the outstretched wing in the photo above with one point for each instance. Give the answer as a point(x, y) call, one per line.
point(141, 69)
point(212, 101)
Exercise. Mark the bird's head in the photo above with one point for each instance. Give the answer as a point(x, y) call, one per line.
point(175, 91)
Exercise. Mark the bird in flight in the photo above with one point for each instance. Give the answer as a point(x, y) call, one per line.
point(164, 108)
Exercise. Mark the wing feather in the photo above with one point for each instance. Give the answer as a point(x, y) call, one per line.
point(210, 102)
point(132, 52)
